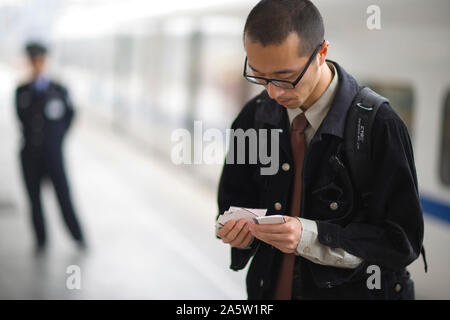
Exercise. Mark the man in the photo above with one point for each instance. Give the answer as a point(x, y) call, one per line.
point(45, 113)
point(329, 244)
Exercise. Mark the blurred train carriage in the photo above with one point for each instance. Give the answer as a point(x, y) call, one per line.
point(154, 72)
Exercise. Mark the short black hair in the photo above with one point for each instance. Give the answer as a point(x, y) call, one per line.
point(35, 49)
point(271, 21)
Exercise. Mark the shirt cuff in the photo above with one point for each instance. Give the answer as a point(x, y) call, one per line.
point(309, 234)
point(310, 248)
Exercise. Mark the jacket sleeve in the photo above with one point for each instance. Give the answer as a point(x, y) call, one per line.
point(20, 110)
point(238, 188)
point(70, 111)
point(390, 232)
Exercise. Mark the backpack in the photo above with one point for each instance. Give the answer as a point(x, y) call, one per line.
point(360, 118)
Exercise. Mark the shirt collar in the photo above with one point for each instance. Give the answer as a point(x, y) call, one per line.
point(41, 83)
point(317, 112)
point(271, 113)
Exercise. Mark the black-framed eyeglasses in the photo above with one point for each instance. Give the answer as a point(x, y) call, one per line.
point(280, 83)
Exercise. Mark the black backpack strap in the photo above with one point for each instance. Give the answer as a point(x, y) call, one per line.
point(358, 133)
point(360, 118)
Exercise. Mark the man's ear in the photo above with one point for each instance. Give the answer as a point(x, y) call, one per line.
point(323, 52)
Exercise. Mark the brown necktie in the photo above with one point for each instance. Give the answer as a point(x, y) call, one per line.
point(283, 286)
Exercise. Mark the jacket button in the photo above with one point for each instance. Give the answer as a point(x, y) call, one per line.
point(334, 206)
point(277, 206)
point(328, 238)
point(261, 283)
point(328, 284)
point(285, 166)
point(398, 287)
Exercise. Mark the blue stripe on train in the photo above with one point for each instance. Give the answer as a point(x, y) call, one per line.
point(436, 208)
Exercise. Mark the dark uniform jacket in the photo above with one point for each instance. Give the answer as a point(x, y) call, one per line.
point(45, 117)
point(386, 232)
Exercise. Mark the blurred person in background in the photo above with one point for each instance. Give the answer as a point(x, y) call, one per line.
point(335, 233)
point(45, 113)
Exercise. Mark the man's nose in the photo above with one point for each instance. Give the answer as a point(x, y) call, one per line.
point(274, 91)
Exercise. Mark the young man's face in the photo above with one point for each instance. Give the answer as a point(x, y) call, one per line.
point(283, 62)
point(37, 64)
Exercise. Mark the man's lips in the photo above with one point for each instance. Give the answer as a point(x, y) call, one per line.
point(283, 101)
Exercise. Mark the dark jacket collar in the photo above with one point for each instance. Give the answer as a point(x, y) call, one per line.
point(270, 112)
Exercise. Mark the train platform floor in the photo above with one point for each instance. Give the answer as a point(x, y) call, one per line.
point(149, 227)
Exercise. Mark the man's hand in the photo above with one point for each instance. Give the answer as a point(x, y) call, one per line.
point(284, 236)
point(236, 234)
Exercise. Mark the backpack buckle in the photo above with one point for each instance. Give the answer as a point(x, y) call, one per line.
point(364, 107)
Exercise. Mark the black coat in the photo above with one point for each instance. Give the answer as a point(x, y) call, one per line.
point(387, 233)
point(45, 117)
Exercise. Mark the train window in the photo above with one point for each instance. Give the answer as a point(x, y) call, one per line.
point(445, 155)
point(401, 97)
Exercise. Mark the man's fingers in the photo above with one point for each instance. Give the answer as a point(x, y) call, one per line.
point(285, 236)
point(231, 235)
point(223, 231)
point(274, 237)
point(240, 238)
point(246, 241)
point(271, 228)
